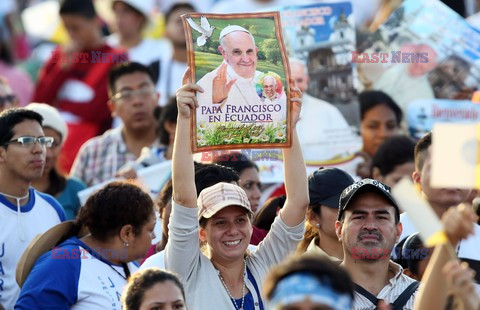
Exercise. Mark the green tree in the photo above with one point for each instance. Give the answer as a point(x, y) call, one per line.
point(272, 51)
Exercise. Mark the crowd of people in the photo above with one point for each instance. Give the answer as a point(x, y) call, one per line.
point(210, 237)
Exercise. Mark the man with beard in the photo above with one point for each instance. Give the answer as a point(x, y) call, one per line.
point(368, 227)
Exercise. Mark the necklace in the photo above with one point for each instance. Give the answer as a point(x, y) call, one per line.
point(15, 197)
point(243, 286)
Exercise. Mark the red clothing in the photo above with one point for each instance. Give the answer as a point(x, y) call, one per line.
point(79, 89)
point(258, 235)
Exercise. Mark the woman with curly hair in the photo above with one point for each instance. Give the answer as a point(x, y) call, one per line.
point(90, 272)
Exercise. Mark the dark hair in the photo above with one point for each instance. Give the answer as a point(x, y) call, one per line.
point(313, 264)
point(165, 196)
point(144, 280)
point(372, 98)
point(57, 182)
point(176, 6)
point(84, 8)
point(115, 205)
point(421, 150)
point(235, 160)
point(125, 68)
point(169, 114)
point(404, 251)
point(9, 118)
point(265, 217)
point(395, 151)
point(5, 52)
point(211, 174)
point(207, 175)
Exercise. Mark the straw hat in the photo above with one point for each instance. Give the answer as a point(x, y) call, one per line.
point(41, 244)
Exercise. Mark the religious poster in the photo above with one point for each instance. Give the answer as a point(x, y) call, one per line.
point(424, 50)
point(319, 39)
point(240, 62)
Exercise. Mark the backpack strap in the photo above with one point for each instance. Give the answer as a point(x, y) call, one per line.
point(405, 296)
point(373, 299)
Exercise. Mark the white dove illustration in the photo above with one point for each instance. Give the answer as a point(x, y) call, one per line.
point(204, 28)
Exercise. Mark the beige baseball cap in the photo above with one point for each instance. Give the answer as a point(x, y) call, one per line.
point(214, 198)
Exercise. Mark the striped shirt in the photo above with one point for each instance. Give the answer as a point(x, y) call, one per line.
point(101, 157)
point(389, 293)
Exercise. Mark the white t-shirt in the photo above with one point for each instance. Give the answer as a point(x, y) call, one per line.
point(17, 229)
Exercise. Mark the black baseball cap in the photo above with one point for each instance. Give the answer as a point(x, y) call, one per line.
point(366, 186)
point(325, 186)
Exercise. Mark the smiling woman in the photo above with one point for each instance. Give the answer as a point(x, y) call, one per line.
point(222, 218)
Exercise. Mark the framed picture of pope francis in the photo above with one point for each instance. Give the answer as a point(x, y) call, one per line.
point(240, 62)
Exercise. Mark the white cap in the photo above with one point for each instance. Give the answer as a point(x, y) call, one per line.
point(51, 118)
point(233, 28)
point(143, 6)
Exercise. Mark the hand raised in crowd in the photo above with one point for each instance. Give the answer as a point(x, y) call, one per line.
point(220, 87)
point(296, 101)
point(127, 173)
point(186, 97)
point(460, 282)
point(458, 222)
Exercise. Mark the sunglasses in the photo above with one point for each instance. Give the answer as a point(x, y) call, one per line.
point(28, 141)
point(8, 98)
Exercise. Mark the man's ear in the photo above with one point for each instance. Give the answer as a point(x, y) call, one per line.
point(399, 228)
point(3, 154)
point(221, 50)
point(111, 107)
point(338, 229)
point(417, 179)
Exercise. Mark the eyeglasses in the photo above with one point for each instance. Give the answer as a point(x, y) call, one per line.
point(28, 141)
point(10, 98)
point(127, 95)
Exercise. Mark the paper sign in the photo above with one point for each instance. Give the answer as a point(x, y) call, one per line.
point(240, 62)
point(423, 114)
point(153, 178)
point(423, 217)
point(454, 154)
